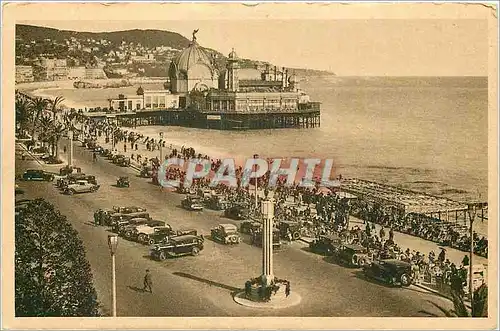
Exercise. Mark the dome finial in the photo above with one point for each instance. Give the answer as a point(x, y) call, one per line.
point(194, 34)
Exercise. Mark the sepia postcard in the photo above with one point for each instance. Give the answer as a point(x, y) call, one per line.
point(249, 165)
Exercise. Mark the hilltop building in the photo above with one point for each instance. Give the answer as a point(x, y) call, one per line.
point(236, 98)
point(24, 74)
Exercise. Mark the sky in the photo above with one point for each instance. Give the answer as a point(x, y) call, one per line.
point(347, 47)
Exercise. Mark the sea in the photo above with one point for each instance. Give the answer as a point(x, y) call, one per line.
point(427, 134)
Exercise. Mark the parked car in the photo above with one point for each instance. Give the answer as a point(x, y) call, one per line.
point(116, 157)
point(257, 238)
point(119, 220)
point(74, 178)
point(128, 229)
point(37, 174)
point(106, 153)
point(66, 170)
point(164, 234)
point(353, 255)
point(393, 272)
point(192, 203)
point(106, 215)
point(142, 233)
point(326, 244)
point(123, 161)
point(178, 246)
point(147, 171)
point(289, 226)
point(81, 186)
point(216, 202)
point(226, 234)
point(250, 226)
point(237, 212)
point(123, 182)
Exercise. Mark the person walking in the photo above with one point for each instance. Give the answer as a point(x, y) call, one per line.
point(64, 149)
point(94, 157)
point(287, 289)
point(125, 147)
point(148, 282)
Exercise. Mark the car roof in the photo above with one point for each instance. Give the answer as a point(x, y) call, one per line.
point(354, 247)
point(394, 262)
point(330, 236)
point(184, 237)
point(228, 226)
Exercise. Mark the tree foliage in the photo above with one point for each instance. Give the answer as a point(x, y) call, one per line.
point(52, 275)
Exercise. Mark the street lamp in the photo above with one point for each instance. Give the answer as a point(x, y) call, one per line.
point(70, 156)
point(256, 156)
point(161, 148)
point(113, 244)
point(472, 216)
point(267, 209)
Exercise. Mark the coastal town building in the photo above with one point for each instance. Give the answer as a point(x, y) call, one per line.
point(148, 100)
point(24, 74)
point(83, 72)
point(54, 69)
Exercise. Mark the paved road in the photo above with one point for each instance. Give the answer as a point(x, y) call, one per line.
point(202, 285)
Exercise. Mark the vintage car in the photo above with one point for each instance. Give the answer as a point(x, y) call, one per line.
point(177, 246)
point(141, 233)
point(107, 153)
point(123, 161)
point(123, 182)
point(352, 255)
point(81, 186)
point(393, 272)
point(250, 226)
point(326, 244)
point(162, 235)
point(128, 228)
point(192, 203)
point(226, 234)
point(257, 238)
point(119, 220)
point(237, 212)
point(105, 218)
point(98, 149)
point(216, 202)
point(37, 174)
point(289, 226)
point(66, 170)
point(63, 183)
point(117, 157)
point(40, 152)
point(147, 172)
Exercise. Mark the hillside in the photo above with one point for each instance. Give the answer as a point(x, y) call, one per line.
point(148, 38)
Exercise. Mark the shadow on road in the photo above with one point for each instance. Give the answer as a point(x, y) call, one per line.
point(207, 281)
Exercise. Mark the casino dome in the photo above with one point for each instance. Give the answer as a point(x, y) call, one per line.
point(192, 67)
point(188, 58)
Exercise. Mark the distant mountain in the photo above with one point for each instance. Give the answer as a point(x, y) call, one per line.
point(147, 38)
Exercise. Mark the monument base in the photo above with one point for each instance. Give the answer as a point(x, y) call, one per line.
point(279, 302)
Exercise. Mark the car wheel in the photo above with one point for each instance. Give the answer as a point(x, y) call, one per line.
point(405, 280)
point(361, 262)
point(151, 242)
point(195, 251)
point(163, 255)
point(71, 192)
point(234, 240)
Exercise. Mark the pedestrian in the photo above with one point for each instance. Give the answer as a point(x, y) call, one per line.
point(136, 147)
point(289, 235)
point(465, 261)
point(94, 157)
point(382, 233)
point(287, 289)
point(64, 149)
point(391, 234)
point(125, 147)
point(148, 282)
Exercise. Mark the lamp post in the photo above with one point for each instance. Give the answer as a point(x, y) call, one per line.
point(113, 244)
point(267, 209)
point(472, 216)
point(70, 156)
point(255, 156)
point(161, 148)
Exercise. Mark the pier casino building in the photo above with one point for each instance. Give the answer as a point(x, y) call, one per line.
point(236, 98)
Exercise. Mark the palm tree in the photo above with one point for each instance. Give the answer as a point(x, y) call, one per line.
point(45, 125)
point(37, 107)
point(56, 133)
point(54, 103)
point(22, 112)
